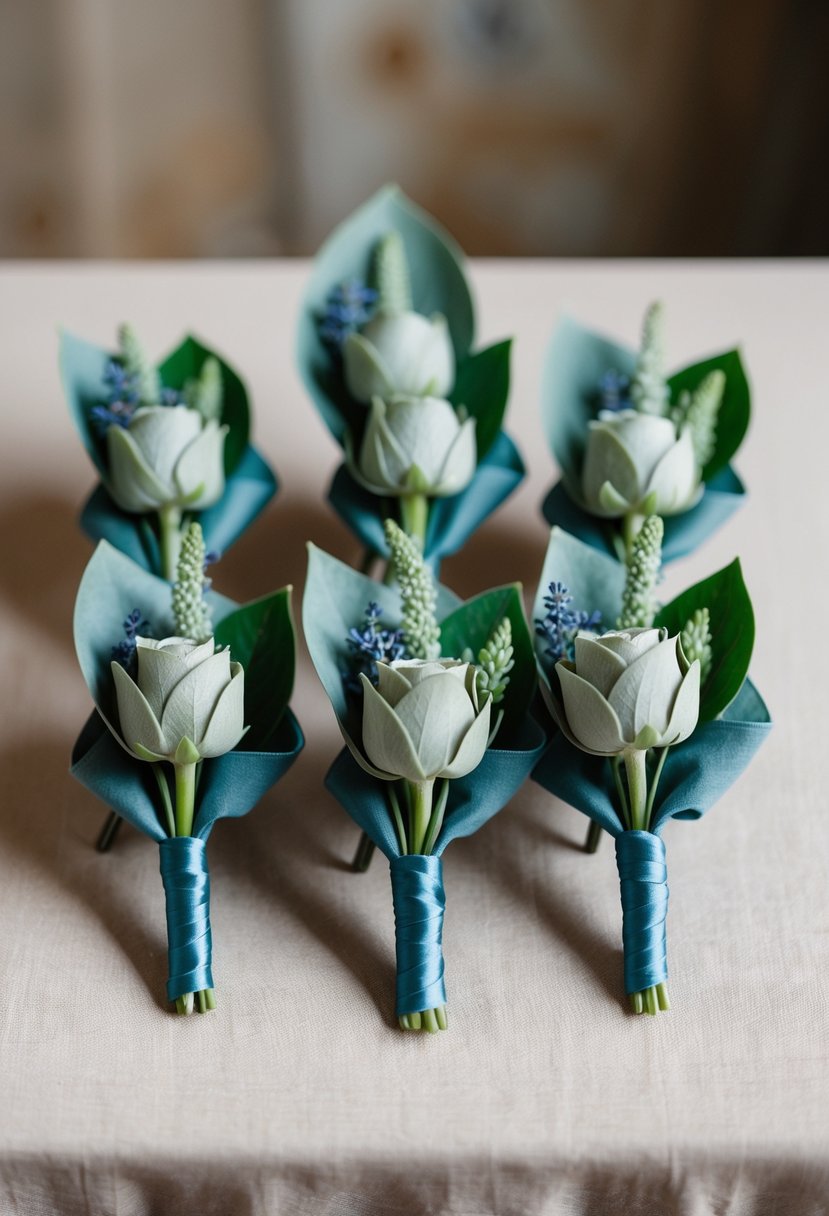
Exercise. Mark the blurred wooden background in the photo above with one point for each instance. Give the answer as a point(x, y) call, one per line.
point(201, 128)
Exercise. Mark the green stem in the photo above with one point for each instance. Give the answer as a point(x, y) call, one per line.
point(593, 837)
point(185, 798)
point(420, 800)
point(364, 854)
point(166, 801)
point(631, 523)
point(436, 819)
point(657, 773)
point(616, 763)
point(637, 775)
point(414, 515)
point(169, 524)
point(394, 803)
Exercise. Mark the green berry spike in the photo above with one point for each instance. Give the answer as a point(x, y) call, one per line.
point(192, 616)
point(391, 274)
point(417, 592)
point(643, 567)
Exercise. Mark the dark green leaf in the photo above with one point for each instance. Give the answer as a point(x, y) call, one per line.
point(185, 363)
point(472, 624)
point(732, 633)
point(261, 637)
point(735, 410)
point(482, 386)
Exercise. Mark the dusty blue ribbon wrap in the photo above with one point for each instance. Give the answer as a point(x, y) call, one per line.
point(419, 903)
point(643, 878)
point(696, 774)
point(189, 940)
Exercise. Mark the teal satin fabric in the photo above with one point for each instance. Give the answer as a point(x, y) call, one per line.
point(684, 533)
point(643, 878)
point(419, 902)
point(189, 940)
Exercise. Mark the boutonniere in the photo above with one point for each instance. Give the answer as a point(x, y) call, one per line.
point(171, 444)
point(633, 441)
point(656, 715)
point(432, 697)
point(191, 724)
point(385, 350)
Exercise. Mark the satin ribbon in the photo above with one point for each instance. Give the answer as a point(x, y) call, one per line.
point(419, 902)
point(640, 858)
point(189, 940)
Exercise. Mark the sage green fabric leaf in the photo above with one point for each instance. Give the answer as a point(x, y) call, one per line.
point(594, 579)
point(726, 597)
point(576, 360)
point(482, 384)
point(735, 408)
point(438, 285)
point(472, 624)
point(261, 637)
point(186, 363)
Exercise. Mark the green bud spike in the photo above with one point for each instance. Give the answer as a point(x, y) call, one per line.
point(649, 390)
point(206, 393)
point(695, 640)
point(643, 567)
point(391, 275)
point(418, 594)
point(495, 661)
point(139, 367)
point(192, 616)
point(702, 412)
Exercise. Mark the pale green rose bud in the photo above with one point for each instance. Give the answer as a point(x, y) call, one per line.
point(416, 444)
point(424, 720)
point(636, 463)
point(401, 352)
point(166, 456)
point(628, 691)
point(187, 702)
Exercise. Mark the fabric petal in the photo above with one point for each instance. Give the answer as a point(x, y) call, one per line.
point(591, 719)
point(138, 723)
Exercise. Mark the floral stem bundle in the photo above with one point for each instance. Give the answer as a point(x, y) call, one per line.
point(656, 715)
point(171, 444)
point(632, 441)
point(191, 724)
point(432, 697)
point(385, 351)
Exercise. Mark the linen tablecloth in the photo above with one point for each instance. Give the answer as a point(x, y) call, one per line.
point(300, 1095)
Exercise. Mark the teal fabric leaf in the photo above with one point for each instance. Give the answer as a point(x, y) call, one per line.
point(473, 799)
point(723, 495)
point(451, 520)
point(696, 774)
point(230, 785)
point(436, 267)
point(576, 360)
point(250, 483)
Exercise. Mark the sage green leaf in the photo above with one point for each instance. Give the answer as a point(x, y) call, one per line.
point(735, 408)
point(261, 637)
point(185, 364)
point(726, 597)
point(594, 579)
point(482, 384)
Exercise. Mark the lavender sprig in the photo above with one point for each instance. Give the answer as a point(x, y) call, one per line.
point(369, 644)
point(124, 651)
point(561, 622)
point(348, 307)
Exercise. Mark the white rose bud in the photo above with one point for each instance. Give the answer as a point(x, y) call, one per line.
point(416, 443)
point(424, 720)
point(401, 352)
point(628, 691)
point(166, 456)
point(187, 702)
point(635, 463)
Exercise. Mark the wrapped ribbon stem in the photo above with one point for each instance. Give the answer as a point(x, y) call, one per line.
point(419, 903)
point(189, 939)
point(643, 877)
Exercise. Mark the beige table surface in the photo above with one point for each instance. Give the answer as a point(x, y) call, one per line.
point(299, 1095)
